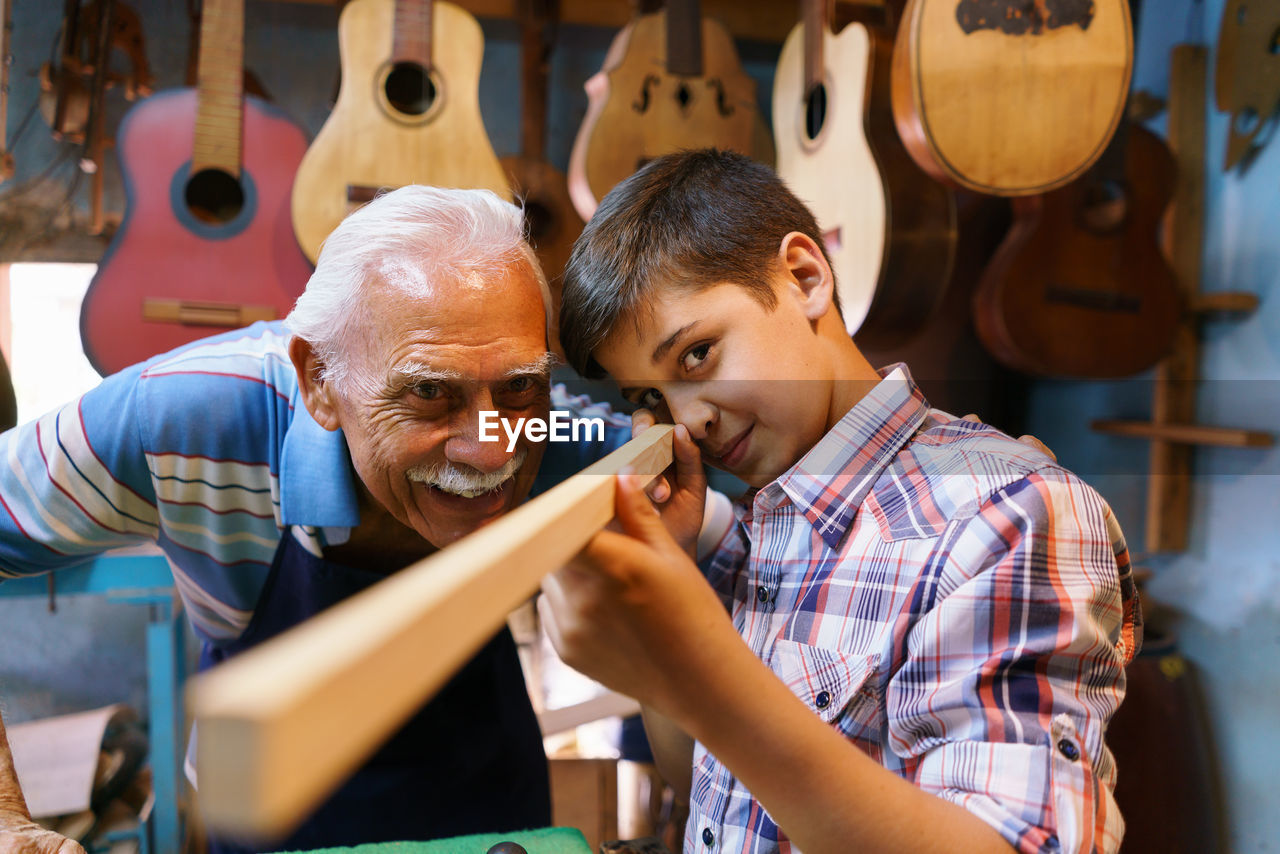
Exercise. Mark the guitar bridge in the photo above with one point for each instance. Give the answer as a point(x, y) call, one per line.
point(1105, 301)
point(192, 313)
point(361, 194)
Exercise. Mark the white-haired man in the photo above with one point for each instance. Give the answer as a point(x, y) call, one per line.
point(284, 467)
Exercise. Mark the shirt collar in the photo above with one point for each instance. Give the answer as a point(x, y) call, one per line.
point(829, 483)
point(317, 479)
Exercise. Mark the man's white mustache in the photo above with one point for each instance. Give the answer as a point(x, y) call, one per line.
point(464, 480)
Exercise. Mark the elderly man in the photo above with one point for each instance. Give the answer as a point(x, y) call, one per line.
point(281, 473)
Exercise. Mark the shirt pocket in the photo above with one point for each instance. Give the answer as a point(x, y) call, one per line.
point(839, 687)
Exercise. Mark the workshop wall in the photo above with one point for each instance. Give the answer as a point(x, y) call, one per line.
point(1223, 593)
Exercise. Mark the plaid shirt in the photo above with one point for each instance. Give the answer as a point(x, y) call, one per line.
point(955, 603)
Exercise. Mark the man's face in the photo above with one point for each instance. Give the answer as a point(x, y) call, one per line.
point(424, 369)
point(748, 382)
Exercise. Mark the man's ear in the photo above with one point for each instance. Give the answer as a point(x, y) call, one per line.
point(807, 268)
point(317, 394)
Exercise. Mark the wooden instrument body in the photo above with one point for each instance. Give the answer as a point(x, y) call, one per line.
point(1004, 113)
point(368, 143)
point(923, 230)
point(638, 111)
point(1061, 298)
point(163, 252)
point(835, 173)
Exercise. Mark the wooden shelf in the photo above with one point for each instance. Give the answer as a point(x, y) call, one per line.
point(1187, 434)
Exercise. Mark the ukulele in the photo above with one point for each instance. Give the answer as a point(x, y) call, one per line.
point(1080, 287)
point(408, 112)
point(550, 219)
point(1010, 97)
point(888, 228)
point(671, 80)
point(205, 244)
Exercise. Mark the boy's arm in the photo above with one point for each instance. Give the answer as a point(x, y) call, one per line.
point(671, 645)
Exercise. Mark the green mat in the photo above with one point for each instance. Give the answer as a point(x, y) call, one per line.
point(549, 840)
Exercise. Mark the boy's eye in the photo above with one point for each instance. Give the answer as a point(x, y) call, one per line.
point(695, 357)
point(650, 399)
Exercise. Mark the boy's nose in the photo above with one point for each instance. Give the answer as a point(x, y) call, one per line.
point(696, 414)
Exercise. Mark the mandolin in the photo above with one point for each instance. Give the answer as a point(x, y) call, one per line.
point(1080, 287)
point(1011, 97)
point(671, 80)
point(408, 112)
point(550, 219)
point(889, 229)
point(205, 244)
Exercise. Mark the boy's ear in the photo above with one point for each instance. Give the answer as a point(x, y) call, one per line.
point(805, 265)
point(317, 393)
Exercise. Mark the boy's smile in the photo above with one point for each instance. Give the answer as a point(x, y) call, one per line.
point(753, 385)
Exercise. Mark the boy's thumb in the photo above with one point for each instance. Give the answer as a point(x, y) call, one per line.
point(637, 514)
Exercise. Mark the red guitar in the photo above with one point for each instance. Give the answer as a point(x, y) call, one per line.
point(206, 243)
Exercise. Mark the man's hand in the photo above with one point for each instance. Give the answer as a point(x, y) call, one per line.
point(681, 491)
point(633, 612)
point(1026, 439)
point(20, 835)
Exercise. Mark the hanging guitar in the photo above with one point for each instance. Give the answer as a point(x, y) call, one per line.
point(671, 80)
point(1010, 97)
point(889, 229)
point(551, 221)
point(206, 243)
point(408, 112)
point(1080, 287)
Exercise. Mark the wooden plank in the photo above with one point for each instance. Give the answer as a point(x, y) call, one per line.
point(1224, 302)
point(1176, 378)
point(281, 726)
point(1186, 434)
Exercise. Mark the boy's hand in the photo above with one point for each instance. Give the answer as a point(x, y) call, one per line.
point(681, 490)
point(633, 612)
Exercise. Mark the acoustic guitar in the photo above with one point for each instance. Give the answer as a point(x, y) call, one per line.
point(889, 229)
point(1011, 97)
point(6, 156)
point(550, 218)
point(408, 112)
point(1080, 287)
point(205, 244)
point(671, 80)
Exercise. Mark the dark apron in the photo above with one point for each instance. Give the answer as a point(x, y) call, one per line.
point(470, 761)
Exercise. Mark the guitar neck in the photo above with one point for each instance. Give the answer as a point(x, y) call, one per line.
point(684, 38)
point(535, 45)
point(220, 87)
point(411, 32)
point(814, 15)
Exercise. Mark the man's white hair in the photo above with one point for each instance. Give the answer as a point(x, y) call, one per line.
point(411, 239)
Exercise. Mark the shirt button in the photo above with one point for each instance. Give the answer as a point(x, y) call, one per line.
point(1069, 750)
point(822, 700)
point(708, 838)
point(762, 593)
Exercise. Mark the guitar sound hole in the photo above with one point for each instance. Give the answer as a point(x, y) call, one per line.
point(1106, 207)
point(815, 111)
point(214, 196)
point(409, 88)
point(537, 220)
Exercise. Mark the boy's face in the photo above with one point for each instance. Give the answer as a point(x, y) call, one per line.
point(752, 385)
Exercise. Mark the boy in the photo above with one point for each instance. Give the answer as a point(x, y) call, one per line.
point(927, 622)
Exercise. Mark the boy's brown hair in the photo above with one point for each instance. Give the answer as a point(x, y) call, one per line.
point(687, 220)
